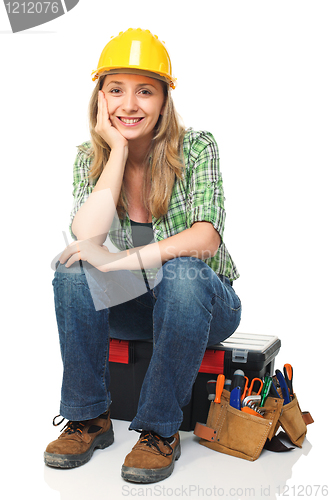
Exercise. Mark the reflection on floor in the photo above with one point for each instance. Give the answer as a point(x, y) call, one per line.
point(200, 472)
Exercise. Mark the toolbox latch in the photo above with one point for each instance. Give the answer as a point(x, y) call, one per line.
point(213, 361)
point(239, 355)
point(119, 351)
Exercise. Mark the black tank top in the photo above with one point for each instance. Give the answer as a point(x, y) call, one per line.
point(142, 233)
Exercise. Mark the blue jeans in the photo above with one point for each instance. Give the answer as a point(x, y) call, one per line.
point(189, 309)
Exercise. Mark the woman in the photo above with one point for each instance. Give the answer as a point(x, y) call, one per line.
point(156, 189)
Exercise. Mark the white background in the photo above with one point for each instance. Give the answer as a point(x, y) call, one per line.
point(254, 73)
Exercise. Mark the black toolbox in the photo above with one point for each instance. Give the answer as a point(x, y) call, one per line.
point(129, 361)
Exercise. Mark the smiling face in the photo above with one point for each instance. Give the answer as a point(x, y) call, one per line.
point(135, 103)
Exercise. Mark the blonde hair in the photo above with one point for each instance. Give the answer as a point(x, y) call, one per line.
point(164, 162)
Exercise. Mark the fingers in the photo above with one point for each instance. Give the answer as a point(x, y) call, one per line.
point(103, 119)
point(74, 258)
point(78, 251)
point(71, 254)
point(100, 106)
point(104, 127)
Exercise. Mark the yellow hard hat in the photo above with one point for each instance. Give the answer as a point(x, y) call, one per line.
point(136, 49)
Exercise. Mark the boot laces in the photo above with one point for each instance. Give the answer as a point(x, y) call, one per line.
point(71, 427)
point(152, 440)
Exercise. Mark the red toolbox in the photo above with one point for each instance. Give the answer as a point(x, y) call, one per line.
point(129, 361)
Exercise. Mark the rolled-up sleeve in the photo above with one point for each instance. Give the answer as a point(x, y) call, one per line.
point(82, 186)
point(205, 191)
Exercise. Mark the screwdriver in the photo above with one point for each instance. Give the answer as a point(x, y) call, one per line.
point(210, 387)
point(238, 380)
point(288, 374)
point(265, 389)
point(219, 387)
point(227, 384)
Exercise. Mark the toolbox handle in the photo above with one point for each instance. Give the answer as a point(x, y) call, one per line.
point(119, 351)
point(213, 361)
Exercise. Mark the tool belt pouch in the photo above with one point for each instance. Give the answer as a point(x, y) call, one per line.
point(237, 433)
point(292, 421)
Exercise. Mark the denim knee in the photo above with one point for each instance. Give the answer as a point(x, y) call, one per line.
point(184, 277)
point(84, 279)
point(75, 268)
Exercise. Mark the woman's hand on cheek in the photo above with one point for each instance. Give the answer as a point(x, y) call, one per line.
point(104, 126)
point(85, 250)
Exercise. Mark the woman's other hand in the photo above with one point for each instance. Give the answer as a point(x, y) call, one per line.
point(86, 250)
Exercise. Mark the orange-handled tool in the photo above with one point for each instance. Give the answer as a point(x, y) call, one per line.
point(248, 390)
point(250, 411)
point(288, 374)
point(219, 387)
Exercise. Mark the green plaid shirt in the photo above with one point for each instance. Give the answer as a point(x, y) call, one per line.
point(197, 197)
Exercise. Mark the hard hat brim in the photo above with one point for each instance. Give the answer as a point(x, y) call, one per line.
point(132, 71)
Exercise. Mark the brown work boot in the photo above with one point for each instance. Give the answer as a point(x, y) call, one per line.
point(152, 458)
point(75, 446)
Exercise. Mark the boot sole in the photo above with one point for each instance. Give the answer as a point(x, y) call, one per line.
point(136, 475)
point(70, 461)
